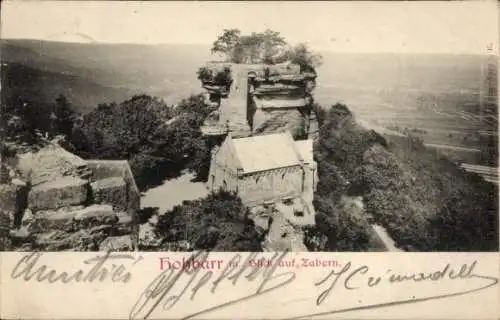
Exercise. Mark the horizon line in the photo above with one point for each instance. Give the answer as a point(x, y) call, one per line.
point(94, 42)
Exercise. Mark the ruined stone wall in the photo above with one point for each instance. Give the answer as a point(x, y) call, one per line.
point(271, 185)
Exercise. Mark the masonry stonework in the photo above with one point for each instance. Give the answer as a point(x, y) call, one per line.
point(271, 185)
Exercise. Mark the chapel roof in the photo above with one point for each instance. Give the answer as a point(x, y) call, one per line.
point(266, 152)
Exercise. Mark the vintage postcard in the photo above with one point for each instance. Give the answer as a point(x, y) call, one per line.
point(249, 160)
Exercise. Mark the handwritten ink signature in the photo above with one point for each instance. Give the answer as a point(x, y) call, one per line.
point(28, 269)
point(348, 274)
point(158, 293)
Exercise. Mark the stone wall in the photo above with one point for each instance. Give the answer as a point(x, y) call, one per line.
point(221, 177)
point(270, 185)
point(106, 169)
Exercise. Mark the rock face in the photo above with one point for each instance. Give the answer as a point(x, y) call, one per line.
point(275, 121)
point(62, 192)
point(111, 169)
point(79, 228)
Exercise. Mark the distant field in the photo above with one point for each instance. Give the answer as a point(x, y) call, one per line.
point(438, 94)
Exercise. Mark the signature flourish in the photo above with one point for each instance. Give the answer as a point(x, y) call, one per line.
point(29, 268)
point(345, 278)
point(159, 292)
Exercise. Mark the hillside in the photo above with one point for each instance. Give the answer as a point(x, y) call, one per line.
point(165, 71)
point(42, 87)
point(425, 201)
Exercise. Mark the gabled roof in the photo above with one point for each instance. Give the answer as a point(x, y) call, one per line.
point(266, 152)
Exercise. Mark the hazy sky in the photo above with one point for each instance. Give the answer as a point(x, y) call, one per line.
point(457, 27)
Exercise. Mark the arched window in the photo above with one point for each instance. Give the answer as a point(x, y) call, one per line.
point(283, 176)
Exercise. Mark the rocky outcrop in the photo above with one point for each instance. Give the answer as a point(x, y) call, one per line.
point(69, 204)
point(277, 121)
point(258, 99)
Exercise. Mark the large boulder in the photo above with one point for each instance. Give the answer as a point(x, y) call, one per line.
point(62, 192)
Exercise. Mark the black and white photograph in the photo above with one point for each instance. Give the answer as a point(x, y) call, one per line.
point(249, 126)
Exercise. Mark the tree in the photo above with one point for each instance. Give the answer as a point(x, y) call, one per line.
point(226, 42)
point(340, 226)
point(64, 114)
point(263, 47)
point(137, 130)
point(218, 222)
point(304, 57)
point(273, 45)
